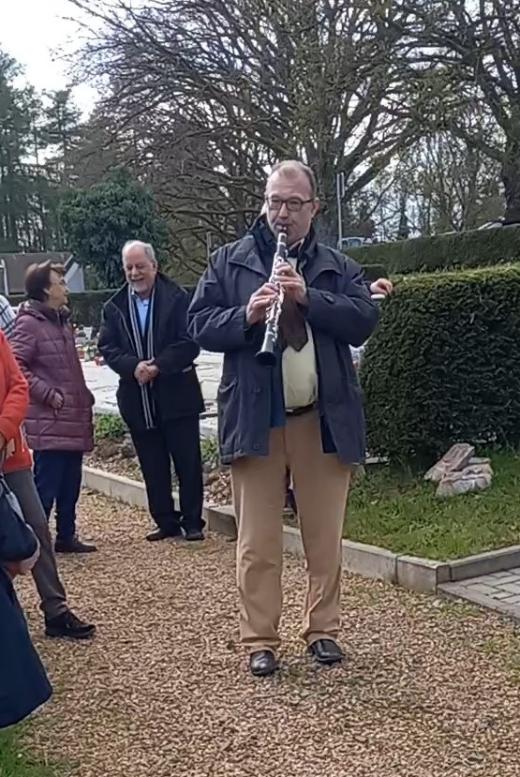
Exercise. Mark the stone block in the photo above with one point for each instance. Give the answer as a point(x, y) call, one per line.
point(485, 563)
point(421, 574)
point(292, 541)
point(221, 519)
point(512, 588)
point(470, 479)
point(456, 458)
point(369, 561)
point(115, 486)
point(464, 592)
point(497, 578)
point(483, 588)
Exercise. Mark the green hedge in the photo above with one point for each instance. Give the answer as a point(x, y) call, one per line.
point(375, 271)
point(444, 364)
point(478, 248)
point(86, 306)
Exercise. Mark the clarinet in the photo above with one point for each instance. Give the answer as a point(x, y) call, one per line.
point(267, 355)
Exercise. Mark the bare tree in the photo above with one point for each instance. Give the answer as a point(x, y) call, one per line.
point(211, 93)
point(468, 54)
point(453, 186)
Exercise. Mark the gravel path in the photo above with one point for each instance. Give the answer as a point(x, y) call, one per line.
point(429, 689)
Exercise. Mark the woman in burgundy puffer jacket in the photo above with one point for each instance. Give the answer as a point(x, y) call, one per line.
point(59, 421)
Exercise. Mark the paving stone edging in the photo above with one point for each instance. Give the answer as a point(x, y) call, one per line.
point(412, 572)
point(468, 593)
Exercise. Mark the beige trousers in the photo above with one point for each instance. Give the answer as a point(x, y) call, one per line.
point(321, 484)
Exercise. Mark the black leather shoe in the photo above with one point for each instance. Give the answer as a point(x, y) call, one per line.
point(194, 535)
point(68, 626)
point(326, 651)
point(160, 534)
point(263, 663)
point(73, 545)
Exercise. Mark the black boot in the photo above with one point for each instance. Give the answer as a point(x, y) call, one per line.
point(68, 626)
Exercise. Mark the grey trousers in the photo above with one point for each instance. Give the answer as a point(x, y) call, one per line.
point(45, 571)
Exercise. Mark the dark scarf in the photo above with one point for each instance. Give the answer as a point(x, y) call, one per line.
point(144, 349)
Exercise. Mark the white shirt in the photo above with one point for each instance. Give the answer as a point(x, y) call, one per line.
point(299, 371)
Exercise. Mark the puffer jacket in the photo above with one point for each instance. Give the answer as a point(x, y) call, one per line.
point(43, 343)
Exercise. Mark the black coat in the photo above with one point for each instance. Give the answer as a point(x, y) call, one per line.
point(340, 313)
point(176, 391)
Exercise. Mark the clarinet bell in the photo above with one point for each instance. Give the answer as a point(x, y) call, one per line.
point(266, 358)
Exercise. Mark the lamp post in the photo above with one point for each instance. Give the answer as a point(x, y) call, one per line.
point(340, 193)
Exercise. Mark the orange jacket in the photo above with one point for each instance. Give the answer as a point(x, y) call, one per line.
point(14, 401)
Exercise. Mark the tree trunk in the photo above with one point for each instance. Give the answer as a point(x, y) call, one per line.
point(511, 181)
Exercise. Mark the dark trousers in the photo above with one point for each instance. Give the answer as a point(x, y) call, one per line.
point(180, 440)
point(57, 475)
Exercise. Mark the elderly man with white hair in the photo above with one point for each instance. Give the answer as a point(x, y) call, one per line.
point(144, 339)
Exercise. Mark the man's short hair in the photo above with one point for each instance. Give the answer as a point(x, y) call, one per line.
point(147, 248)
point(38, 279)
point(292, 167)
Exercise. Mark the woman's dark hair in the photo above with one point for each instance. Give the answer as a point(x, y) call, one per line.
point(38, 279)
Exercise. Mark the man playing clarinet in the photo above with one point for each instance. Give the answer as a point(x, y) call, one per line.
point(304, 414)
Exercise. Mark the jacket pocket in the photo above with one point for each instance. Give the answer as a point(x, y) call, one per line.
point(227, 414)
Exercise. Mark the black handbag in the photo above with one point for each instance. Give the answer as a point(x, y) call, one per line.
point(17, 539)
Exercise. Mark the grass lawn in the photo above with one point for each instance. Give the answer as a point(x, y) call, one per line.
point(399, 511)
point(15, 761)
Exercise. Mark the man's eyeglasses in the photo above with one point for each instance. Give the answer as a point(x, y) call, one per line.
point(293, 204)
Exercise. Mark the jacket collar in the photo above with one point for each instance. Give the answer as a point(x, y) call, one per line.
point(42, 310)
point(259, 244)
point(248, 255)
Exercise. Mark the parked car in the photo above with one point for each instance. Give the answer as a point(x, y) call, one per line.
point(353, 242)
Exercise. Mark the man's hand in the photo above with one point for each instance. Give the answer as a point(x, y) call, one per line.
point(57, 400)
point(141, 373)
point(153, 370)
point(145, 372)
point(259, 302)
point(292, 283)
point(382, 286)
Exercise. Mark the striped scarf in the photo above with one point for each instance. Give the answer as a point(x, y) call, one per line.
point(144, 349)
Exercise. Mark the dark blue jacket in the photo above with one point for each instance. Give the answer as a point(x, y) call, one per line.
point(340, 313)
point(23, 683)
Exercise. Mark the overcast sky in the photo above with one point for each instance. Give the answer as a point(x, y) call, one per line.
point(31, 31)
